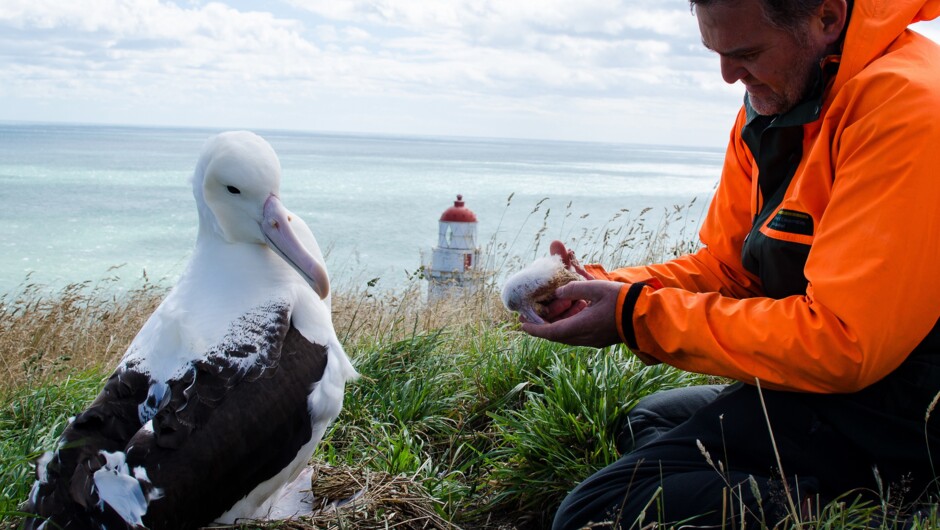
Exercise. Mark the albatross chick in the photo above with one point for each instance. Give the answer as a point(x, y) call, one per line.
point(529, 291)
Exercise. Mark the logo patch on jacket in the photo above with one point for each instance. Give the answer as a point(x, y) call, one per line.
point(792, 222)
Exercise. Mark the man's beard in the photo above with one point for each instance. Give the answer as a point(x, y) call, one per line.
point(796, 89)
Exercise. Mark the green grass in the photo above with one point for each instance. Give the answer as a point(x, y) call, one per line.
point(31, 419)
point(490, 420)
point(459, 419)
point(491, 426)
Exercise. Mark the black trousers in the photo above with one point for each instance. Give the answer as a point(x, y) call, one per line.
point(705, 456)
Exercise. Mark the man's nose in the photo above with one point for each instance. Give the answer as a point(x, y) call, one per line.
point(731, 70)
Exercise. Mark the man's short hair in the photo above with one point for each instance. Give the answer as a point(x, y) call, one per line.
point(784, 14)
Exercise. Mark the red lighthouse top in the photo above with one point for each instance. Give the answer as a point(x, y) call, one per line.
point(458, 213)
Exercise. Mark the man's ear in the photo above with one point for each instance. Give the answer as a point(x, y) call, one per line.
point(830, 19)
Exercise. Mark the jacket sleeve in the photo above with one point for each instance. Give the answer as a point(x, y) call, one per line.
point(873, 291)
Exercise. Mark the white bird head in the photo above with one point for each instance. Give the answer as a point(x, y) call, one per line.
point(236, 185)
point(529, 290)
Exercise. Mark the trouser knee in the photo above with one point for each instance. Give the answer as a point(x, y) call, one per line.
point(658, 413)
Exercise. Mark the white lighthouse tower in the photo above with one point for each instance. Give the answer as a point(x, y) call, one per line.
point(454, 259)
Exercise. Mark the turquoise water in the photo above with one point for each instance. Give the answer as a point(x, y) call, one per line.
point(88, 202)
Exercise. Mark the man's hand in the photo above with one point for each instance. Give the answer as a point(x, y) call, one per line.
point(594, 324)
point(560, 308)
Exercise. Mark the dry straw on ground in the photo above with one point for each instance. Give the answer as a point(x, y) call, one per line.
point(378, 500)
point(365, 500)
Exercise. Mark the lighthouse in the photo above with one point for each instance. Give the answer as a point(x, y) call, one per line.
point(454, 260)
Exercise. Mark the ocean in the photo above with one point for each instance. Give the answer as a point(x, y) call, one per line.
point(87, 202)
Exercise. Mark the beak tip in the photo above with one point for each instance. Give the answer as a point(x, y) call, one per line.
point(531, 316)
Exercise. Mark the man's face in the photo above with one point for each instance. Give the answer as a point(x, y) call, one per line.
point(774, 65)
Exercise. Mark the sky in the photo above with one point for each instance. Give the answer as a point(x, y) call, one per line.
point(630, 71)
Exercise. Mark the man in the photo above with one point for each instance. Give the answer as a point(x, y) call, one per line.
point(816, 287)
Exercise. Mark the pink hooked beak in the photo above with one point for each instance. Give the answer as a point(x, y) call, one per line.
point(277, 230)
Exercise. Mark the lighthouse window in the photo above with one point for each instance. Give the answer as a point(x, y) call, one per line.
point(450, 233)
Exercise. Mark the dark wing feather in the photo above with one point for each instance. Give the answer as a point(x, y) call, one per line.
point(67, 496)
point(246, 357)
point(228, 426)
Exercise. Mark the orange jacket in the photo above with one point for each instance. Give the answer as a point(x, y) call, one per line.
point(863, 206)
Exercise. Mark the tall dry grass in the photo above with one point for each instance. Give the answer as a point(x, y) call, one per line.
point(364, 317)
point(46, 335)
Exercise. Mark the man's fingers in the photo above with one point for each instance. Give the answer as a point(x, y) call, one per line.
point(551, 332)
point(590, 318)
point(560, 308)
point(572, 331)
point(574, 309)
point(586, 290)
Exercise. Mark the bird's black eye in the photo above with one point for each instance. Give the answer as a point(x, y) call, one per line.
point(233, 190)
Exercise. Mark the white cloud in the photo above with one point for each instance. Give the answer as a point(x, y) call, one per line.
point(930, 29)
point(604, 69)
point(124, 54)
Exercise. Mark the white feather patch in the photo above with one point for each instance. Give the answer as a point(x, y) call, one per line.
point(42, 473)
point(519, 285)
point(119, 489)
